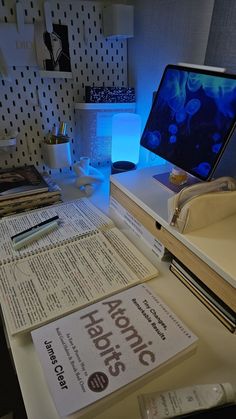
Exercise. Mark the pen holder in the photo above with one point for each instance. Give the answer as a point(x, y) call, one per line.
point(57, 155)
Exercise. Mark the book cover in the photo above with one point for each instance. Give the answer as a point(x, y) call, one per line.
point(98, 350)
point(17, 204)
point(21, 181)
point(53, 191)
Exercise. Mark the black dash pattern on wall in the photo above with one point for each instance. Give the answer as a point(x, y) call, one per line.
point(30, 105)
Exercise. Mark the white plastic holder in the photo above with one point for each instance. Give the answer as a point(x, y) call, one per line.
point(47, 16)
point(7, 145)
point(118, 21)
point(57, 155)
point(19, 16)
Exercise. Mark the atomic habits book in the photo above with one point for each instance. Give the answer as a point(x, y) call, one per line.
point(91, 354)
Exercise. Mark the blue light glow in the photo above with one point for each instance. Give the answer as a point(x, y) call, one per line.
point(126, 133)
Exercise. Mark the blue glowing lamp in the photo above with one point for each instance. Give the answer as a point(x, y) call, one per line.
point(126, 133)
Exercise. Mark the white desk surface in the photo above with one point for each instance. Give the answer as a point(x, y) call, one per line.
point(213, 362)
point(215, 244)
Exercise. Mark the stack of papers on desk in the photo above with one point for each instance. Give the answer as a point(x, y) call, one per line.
point(85, 259)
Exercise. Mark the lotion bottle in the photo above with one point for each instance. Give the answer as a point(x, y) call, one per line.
point(186, 400)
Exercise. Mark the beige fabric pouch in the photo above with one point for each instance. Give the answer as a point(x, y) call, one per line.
point(202, 204)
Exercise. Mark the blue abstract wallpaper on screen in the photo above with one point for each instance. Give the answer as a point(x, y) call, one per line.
point(191, 119)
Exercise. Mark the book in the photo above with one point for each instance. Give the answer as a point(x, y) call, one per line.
point(27, 202)
point(96, 353)
point(139, 230)
point(21, 181)
point(85, 259)
point(218, 307)
point(38, 201)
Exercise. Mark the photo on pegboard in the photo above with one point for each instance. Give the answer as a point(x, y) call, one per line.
point(53, 52)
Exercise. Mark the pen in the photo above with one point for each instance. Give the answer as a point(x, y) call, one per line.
point(29, 233)
point(35, 235)
point(22, 233)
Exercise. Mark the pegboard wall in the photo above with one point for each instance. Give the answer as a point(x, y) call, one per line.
point(32, 105)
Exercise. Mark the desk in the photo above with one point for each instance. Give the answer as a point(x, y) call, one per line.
point(214, 360)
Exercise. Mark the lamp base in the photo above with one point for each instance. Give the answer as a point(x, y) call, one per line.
point(122, 166)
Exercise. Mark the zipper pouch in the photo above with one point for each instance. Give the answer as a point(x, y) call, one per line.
point(202, 204)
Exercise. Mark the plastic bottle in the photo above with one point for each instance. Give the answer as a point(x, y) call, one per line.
point(186, 400)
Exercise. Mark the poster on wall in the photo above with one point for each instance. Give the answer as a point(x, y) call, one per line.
point(52, 49)
point(19, 50)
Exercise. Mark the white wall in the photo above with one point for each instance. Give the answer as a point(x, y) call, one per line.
point(221, 51)
point(171, 31)
point(166, 31)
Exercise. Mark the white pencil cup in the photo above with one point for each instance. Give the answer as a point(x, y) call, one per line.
point(57, 155)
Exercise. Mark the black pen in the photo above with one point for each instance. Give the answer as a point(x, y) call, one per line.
point(49, 220)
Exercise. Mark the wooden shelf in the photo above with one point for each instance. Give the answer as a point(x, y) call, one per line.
point(55, 74)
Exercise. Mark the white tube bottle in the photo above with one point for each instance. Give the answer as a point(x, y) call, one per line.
point(186, 400)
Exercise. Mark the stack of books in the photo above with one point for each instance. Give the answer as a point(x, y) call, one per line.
point(24, 189)
point(212, 301)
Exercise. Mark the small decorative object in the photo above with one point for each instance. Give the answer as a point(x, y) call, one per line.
point(57, 148)
point(126, 132)
point(88, 176)
point(178, 176)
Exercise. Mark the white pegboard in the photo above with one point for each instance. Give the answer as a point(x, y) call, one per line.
point(31, 105)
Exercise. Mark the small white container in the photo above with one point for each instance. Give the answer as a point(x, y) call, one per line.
point(8, 145)
point(57, 155)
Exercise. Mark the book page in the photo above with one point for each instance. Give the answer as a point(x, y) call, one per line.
point(44, 286)
point(130, 254)
point(76, 218)
point(108, 345)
